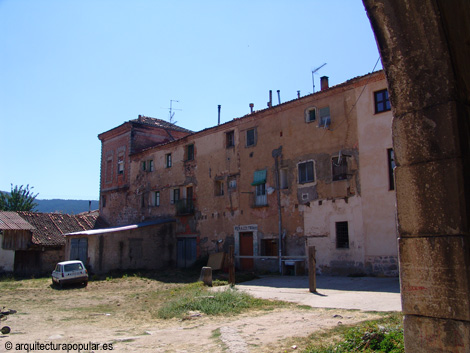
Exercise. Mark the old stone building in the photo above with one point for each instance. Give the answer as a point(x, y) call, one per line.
point(314, 171)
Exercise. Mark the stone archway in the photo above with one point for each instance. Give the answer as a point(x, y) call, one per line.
point(425, 50)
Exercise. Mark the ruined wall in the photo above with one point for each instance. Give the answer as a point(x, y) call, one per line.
point(221, 176)
point(150, 247)
point(50, 258)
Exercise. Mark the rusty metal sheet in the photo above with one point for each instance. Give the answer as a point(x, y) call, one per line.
point(11, 220)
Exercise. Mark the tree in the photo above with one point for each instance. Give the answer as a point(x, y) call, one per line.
point(20, 199)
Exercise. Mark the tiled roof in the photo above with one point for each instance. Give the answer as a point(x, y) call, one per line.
point(145, 120)
point(11, 220)
point(50, 227)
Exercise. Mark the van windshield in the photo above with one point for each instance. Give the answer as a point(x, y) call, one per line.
point(73, 267)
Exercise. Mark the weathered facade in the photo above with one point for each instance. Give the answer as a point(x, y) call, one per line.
point(32, 242)
point(315, 171)
point(149, 245)
point(117, 145)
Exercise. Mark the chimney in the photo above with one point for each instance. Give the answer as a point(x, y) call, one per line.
point(324, 82)
point(298, 94)
point(279, 96)
point(141, 118)
point(251, 107)
point(218, 121)
point(270, 103)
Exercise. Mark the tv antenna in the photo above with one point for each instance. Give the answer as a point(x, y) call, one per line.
point(172, 113)
point(314, 71)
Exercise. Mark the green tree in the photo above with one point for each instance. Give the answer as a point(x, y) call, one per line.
point(20, 199)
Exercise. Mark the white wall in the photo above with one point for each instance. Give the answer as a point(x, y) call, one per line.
point(7, 258)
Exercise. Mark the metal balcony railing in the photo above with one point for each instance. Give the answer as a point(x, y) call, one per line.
point(184, 207)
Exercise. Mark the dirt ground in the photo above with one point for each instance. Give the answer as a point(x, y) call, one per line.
point(120, 314)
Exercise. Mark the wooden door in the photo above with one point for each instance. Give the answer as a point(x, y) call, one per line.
point(246, 249)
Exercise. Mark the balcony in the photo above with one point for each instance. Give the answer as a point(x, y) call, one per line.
point(184, 207)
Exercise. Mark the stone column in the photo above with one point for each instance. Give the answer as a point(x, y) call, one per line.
point(425, 49)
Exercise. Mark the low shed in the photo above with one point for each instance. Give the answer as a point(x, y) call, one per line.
point(149, 245)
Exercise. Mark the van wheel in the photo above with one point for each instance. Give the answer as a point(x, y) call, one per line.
point(85, 283)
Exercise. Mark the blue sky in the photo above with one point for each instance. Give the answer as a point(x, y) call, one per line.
point(70, 70)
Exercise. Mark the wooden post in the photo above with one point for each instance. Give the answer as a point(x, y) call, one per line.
point(231, 265)
point(312, 279)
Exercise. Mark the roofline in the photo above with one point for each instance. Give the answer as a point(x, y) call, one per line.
point(256, 113)
point(122, 228)
point(135, 122)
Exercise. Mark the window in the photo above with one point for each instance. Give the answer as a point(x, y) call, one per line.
point(259, 181)
point(250, 137)
point(382, 104)
point(230, 139)
point(339, 166)
point(325, 119)
point(147, 165)
point(168, 160)
point(283, 178)
point(103, 201)
point(269, 247)
point(306, 172)
point(310, 114)
point(342, 235)
point(190, 152)
point(120, 165)
point(391, 169)
point(232, 183)
point(156, 198)
point(261, 198)
point(174, 196)
point(219, 187)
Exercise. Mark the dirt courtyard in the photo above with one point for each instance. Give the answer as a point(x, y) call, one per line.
point(120, 314)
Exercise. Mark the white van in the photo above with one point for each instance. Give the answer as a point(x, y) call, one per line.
point(70, 272)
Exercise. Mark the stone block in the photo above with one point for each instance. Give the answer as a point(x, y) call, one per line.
point(429, 199)
point(430, 335)
point(427, 135)
point(435, 276)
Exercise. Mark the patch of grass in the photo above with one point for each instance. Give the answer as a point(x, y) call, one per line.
point(194, 297)
point(216, 333)
point(384, 335)
point(219, 283)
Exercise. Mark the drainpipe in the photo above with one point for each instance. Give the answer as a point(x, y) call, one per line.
point(276, 154)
